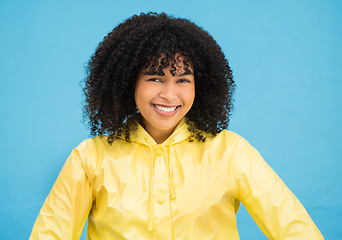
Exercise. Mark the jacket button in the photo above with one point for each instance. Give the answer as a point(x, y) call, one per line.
point(158, 151)
point(161, 198)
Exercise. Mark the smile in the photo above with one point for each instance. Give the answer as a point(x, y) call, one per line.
point(165, 109)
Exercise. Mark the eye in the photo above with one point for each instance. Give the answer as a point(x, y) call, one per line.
point(184, 81)
point(154, 80)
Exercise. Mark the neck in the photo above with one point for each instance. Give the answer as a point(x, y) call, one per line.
point(159, 135)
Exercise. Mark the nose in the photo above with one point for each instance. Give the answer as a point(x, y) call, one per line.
point(168, 92)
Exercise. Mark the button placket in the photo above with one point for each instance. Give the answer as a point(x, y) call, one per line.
point(161, 193)
point(161, 198)
point(158, 152)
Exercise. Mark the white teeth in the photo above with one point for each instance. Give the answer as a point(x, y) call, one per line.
point(165, 109)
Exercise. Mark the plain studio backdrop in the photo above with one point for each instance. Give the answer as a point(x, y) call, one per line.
point(286, 59)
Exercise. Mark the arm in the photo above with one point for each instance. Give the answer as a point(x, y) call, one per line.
point(66, 208)
point(274, 208)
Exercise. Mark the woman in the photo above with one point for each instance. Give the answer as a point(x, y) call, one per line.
point(161, 164)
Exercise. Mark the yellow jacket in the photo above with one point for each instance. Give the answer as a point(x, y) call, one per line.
point(179, 189)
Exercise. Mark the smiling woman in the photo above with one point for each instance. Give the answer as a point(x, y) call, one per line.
point(149, 43)
point(161, 164)
point(164, 99)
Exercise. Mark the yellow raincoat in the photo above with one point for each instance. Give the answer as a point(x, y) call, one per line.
point(179, 189)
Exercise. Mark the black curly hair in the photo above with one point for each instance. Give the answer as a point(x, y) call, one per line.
point(110, 107)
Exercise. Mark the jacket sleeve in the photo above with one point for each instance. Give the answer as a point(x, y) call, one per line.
point(67, 206)
point(274, 208)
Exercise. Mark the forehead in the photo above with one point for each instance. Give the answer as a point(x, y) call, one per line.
point(176, 64)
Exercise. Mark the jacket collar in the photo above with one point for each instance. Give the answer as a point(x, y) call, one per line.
point(180, 134)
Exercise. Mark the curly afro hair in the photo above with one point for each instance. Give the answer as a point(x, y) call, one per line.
point(110, 107)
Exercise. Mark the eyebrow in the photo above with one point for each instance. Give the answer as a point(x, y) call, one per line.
point(186, 73)
point(180, 75)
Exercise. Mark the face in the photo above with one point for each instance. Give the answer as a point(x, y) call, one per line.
point(164, 100)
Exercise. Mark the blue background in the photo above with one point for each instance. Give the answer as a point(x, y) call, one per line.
point(286, 58)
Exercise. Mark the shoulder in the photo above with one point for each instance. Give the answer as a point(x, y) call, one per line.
point(95, 148)
point(99, 143)
point(237, 147)
point(93, 151)
point(229, 138)
point(92, 144)
point(227, 145)
point(98, 147)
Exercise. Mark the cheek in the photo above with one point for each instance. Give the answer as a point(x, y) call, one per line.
point(139, 93)
point(143, 96)
point(138, 99)
point(190, 96)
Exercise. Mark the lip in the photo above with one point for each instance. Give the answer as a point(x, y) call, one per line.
point(163, 113)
